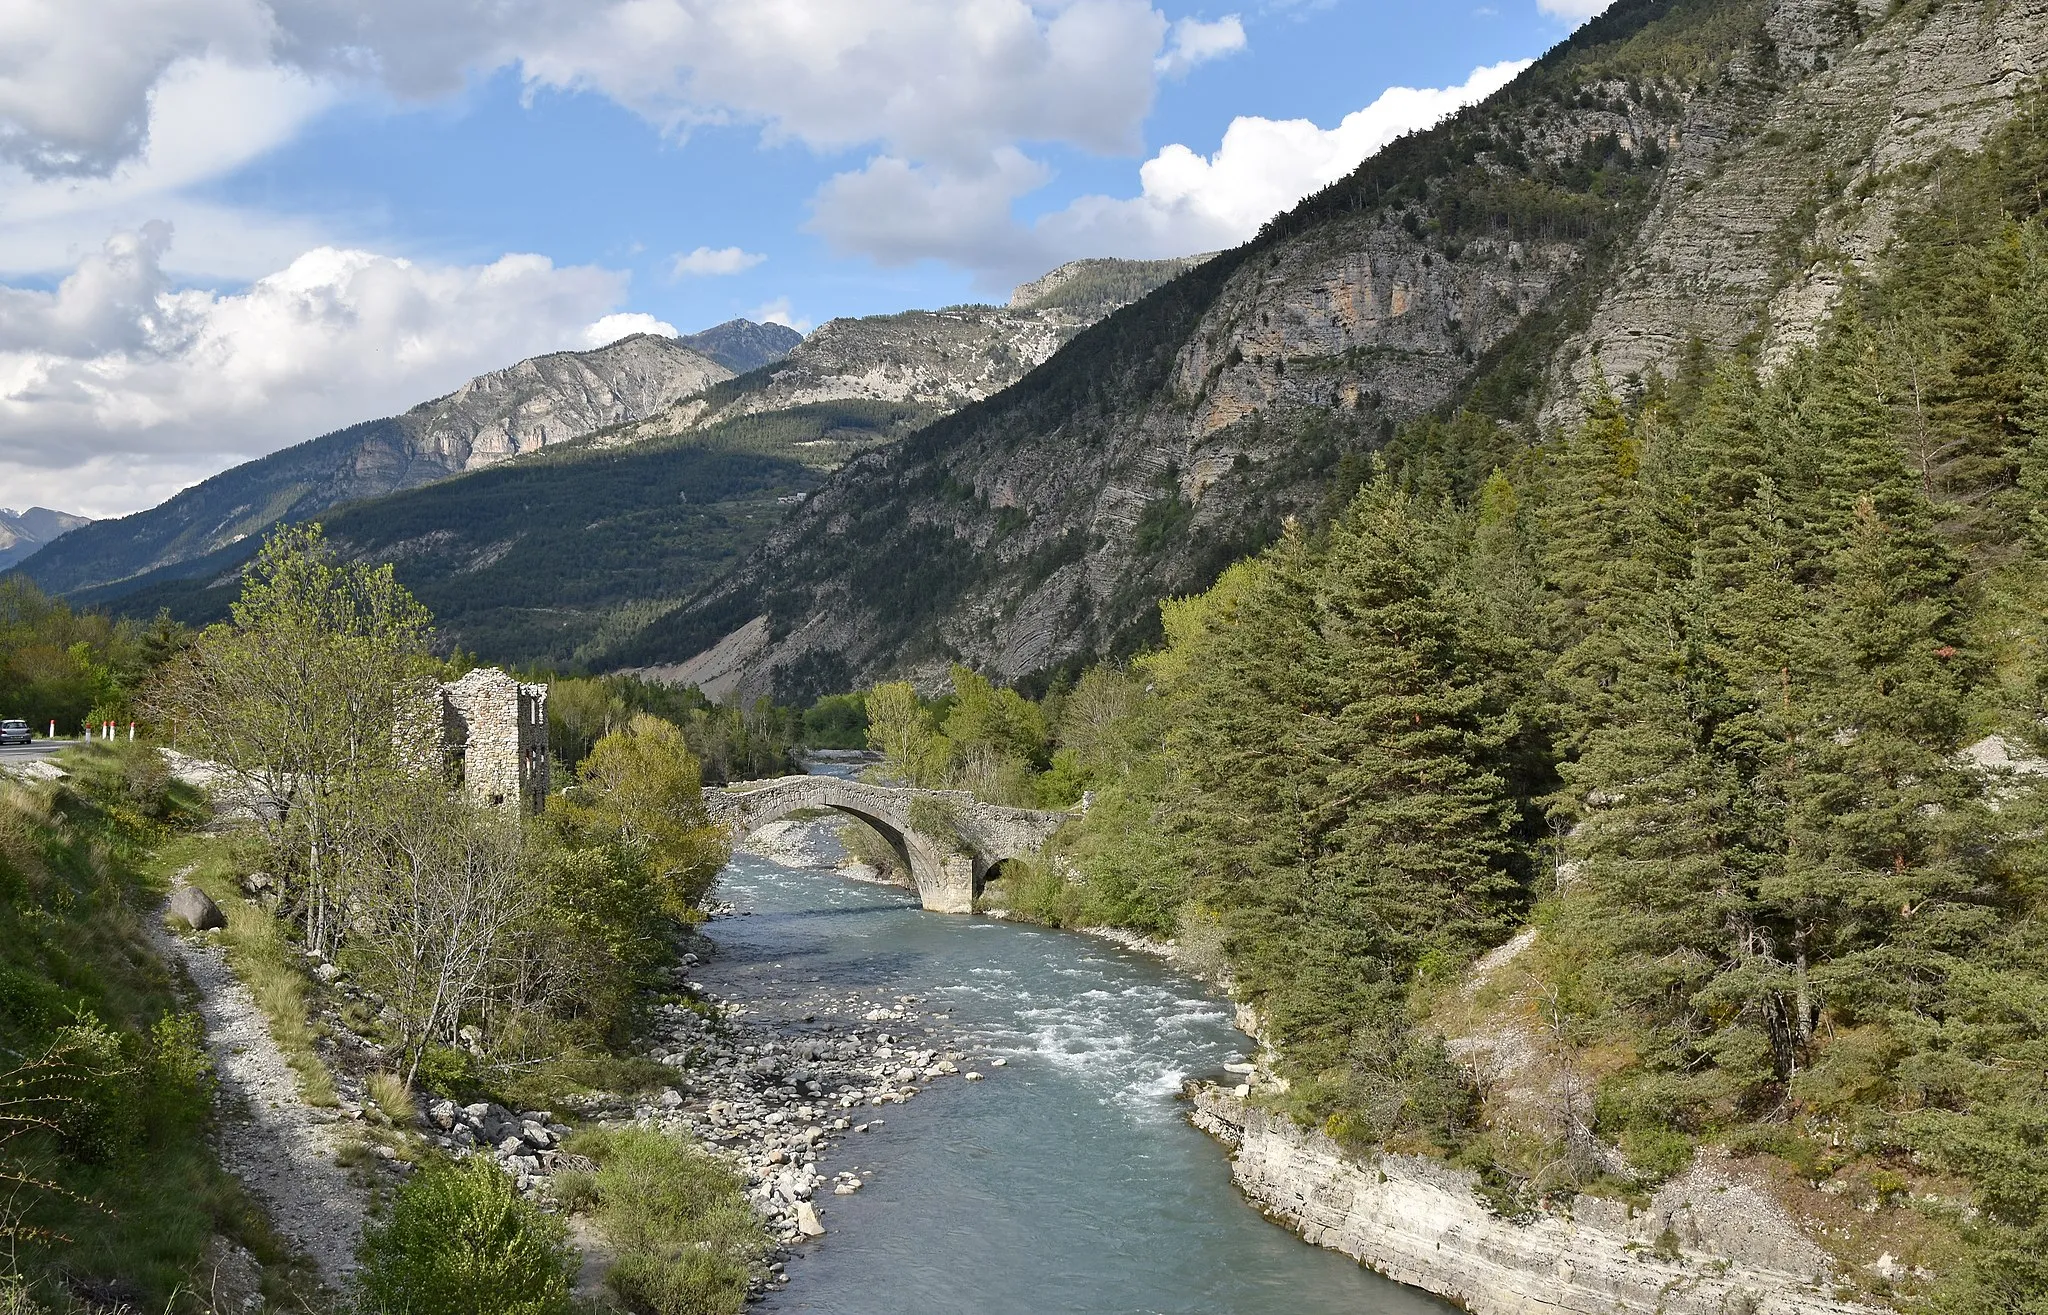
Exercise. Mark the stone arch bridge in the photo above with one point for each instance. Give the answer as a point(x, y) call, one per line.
point(949, 840)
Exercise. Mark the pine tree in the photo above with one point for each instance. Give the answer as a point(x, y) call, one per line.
point(1342, 792)
point(1878, 866)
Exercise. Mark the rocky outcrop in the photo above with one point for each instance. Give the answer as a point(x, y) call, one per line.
point(1708, 1243)
point(551, 399)
point(742, 345)
point(1787, 184)
point(931, 363)
point(1098, 285)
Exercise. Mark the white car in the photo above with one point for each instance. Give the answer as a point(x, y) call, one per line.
point(16, 731)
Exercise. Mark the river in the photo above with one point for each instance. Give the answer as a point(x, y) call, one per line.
point(1067, 1180)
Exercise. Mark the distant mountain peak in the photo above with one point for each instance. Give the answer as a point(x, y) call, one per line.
point(536, 403)
point(743, 345)
point(22, 533)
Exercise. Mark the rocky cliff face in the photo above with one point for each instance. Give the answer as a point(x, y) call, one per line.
point(1709, 169)
point(1708, 1242)
point(536, 403)
point(934, 362)
point(550, 399)
point(1787, 184)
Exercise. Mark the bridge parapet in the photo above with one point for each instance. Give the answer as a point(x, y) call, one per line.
point(948, 839)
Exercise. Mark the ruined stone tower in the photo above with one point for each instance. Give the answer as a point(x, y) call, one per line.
point(488, 731)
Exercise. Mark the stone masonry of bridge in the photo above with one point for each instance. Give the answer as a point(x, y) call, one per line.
point(949, 869)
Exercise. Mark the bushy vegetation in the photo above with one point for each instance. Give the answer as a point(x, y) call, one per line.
point(459, 1241)
point(992, 742)
point(731, 743)
point(71, 667)
point(532, 936)
point(685, 1242)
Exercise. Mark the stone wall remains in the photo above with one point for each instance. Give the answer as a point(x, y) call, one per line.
point(487, 726)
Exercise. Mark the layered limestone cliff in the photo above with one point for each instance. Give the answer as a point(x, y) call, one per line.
point(551, 399)
point(1154, 449)
point(1787, 185)
point(1707, 1243)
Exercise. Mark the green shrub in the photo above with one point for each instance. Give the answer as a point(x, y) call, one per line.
point(459, 1241)
point(685, 1238)
point(94, 1082)
point(446, 1071)
point(177, 1072)
point(1658, 1153)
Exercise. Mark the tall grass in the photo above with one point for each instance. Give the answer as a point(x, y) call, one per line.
point(684, 1239)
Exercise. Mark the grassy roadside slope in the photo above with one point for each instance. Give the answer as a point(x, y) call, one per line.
point(98, 1049)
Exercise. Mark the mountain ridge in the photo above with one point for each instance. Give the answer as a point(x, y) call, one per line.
point(23, 533)
point(531, 404)
point(557, 554)
point(1481, 265)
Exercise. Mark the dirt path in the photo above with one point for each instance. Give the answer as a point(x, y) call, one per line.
point(282, 1149)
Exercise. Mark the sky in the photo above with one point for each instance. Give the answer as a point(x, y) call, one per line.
point(227, 226)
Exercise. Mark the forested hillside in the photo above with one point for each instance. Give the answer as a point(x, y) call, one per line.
point(1732, 699)
point(1679, 168)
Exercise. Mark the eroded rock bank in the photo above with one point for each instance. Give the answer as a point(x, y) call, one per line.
point(1707, 1243)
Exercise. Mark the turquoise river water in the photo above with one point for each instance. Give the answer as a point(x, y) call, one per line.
point(1069, 1180)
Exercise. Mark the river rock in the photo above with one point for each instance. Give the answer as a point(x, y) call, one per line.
point(807, 1220)
point(196, 909)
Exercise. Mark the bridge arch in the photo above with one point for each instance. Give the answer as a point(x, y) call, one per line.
point(948, 869)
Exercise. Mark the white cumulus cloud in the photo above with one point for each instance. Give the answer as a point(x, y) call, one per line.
point(1195, 42)
point(706, 261)
point(898, 211)
point(1578, 11)
point(1193, 202)
point(624, 325)
point(118, 388)
point(779, 311)
point(207, 117)
point(928, 78)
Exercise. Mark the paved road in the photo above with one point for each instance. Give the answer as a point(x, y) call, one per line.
point(40, 749)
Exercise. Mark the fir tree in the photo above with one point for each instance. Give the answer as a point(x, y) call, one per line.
point(1878, 865)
